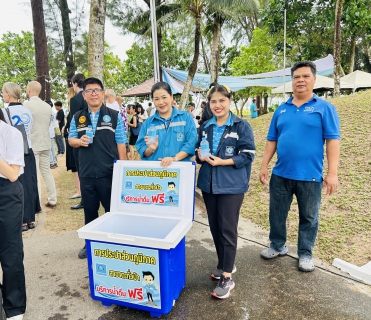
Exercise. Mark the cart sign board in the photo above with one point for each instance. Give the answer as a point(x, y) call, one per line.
point(127, 274)
point(159, 186)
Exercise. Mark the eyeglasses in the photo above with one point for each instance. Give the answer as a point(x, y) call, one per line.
point(91, 91)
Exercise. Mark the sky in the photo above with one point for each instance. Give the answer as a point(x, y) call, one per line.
point(15, 16)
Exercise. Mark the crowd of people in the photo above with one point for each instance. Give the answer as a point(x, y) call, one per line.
point(100, 129)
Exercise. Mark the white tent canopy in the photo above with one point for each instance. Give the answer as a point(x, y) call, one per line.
point(359, 79)
point(321, 83)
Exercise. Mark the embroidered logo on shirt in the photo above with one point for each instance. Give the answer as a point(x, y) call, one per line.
point(229, 150)
point(282, 111)
point(82, 119)
point(309, 109)
point(180, 136)
point(106, 118)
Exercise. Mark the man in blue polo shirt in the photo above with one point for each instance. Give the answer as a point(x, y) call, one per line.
point(254, 109)
point(298, 131)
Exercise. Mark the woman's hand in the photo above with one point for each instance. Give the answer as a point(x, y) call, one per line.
point(152, 146)
point(199, 155)
point(215, 161)
point(167, 161)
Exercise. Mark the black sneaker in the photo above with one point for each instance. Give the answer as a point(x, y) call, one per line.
point(223, 288)
point(82, 254)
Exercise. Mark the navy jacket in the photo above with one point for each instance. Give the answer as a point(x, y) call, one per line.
point(237, 143)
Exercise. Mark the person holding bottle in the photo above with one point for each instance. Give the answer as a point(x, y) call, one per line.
point(175, 130)
point(223, 179)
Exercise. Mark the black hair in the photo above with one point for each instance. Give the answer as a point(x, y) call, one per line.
point(203, 103)
point(171, 182)
point(138, 105)
point(302, 64)
point(2, 115)
point(58, 103)
point(213, 84)
point(253, 100)
point(191, 104)
point(148, 273)
point(78, 78)
point(49, 102)
point(222, 89)
point(149, 104)
point(161, 85)
point(92, 81)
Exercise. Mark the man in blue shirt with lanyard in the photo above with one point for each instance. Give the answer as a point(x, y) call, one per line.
point(298, 131)
point(98, 153)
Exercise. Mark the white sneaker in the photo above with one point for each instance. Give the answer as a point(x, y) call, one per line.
point(19, 317)
point(306, 264)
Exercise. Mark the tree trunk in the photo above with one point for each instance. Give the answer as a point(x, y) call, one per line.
point(242, 106)
point(258, 104)
point(215, 49)
point(67, 49)
point(193, 66)
point(337, 47)
point(265, 103)
point(96, 38)
point(41, 48)
point(352, 53)
point(204, 56)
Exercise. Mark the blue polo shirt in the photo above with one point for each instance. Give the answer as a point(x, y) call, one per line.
point(178, 133)
point(300, 134)
point(253, 113)
point(218, 131)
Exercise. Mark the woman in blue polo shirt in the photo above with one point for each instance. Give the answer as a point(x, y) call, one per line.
point(175, 129)
point(224, 178)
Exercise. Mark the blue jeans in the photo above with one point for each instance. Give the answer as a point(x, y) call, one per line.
point(53, 158)
point(308, 195)
point(60, 144)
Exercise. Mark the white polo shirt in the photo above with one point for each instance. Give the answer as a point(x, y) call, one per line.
point(11, 146)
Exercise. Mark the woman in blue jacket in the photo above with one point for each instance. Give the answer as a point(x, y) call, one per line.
point(175, 129)
point(224, 178)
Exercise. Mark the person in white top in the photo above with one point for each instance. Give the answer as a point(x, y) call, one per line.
point(11, 212)
point(53, 125)
point(192, 110)
point(110, 97)
point(22, 115)
point(142, 115)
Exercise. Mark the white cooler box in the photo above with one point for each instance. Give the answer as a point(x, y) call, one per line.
point(136, 252)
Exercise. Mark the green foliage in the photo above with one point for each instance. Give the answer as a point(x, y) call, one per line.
point(138, 67)
point(17, 58)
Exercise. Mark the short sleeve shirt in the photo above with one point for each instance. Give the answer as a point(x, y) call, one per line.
point(300, 134)
point(11, 146)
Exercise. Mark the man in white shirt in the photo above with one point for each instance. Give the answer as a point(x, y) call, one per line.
point(192, 110)
point(111, 102)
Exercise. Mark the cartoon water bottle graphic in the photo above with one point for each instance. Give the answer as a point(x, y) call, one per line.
point(89, 133)
point(151, 132)
point(205, 148)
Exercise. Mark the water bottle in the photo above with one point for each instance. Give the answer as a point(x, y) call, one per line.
point(89, 133)
point(151, 133)
point(205, 148)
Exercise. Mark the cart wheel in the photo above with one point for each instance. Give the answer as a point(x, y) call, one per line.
point(106, 304)
point(155, 314)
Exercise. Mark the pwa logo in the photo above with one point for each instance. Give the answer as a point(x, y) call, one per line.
point(282, 111)
point(136, 293)
point(309, 109)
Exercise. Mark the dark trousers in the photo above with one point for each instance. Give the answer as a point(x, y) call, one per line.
point(60, 144)
point(11, 247)
point(95, 191)
point(76, 157)
point(223, 212)
point(308, 194)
